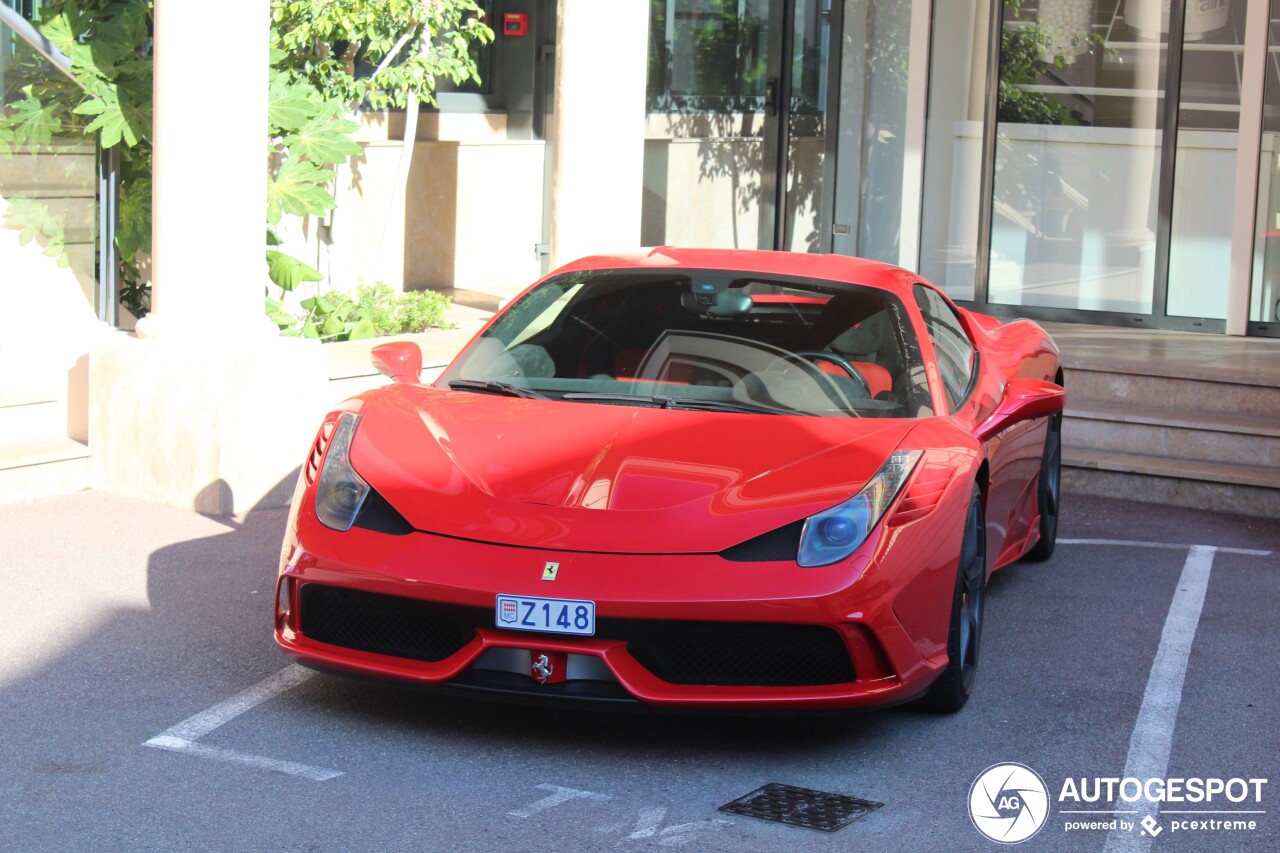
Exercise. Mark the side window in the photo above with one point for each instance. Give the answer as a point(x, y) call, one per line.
point(953, 348)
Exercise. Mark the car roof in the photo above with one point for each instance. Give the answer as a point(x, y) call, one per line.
point(836, 268)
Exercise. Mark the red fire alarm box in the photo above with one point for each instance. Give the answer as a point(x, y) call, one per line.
point(515, 23)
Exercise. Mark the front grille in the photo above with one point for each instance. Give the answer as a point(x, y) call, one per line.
point(738, 654)
point(384, 624)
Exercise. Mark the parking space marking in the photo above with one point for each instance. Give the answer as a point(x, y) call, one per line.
point(183, 736)
point(261, 762)
point(649, 825)
point(1127, 543)
point(1152, 738)
point(559, 796)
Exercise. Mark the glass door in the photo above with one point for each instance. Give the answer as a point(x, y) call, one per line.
point(735, 125)
point(802, 129)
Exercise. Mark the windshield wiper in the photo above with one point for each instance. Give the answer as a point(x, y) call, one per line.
point(660, 401)
point(726, 406)
point(504, 388)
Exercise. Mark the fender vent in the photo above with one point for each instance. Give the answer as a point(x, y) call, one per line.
point(312, 468)
point(923, 494)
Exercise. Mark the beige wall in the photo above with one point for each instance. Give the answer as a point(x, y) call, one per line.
point(470, 218)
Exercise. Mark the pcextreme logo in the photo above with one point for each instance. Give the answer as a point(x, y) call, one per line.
point(1009, 803)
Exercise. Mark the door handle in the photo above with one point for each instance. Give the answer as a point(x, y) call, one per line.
point(771, 96)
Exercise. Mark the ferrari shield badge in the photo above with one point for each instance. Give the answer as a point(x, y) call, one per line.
point(549, 571)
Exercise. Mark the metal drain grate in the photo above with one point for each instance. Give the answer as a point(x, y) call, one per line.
point(801, 807)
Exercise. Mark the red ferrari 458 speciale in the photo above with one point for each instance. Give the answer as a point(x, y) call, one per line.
point(685, 478)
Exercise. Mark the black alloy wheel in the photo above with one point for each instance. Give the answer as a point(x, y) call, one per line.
point(1049, 493)
point(968, 607)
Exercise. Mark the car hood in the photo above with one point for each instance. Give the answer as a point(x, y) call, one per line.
point(607, 478)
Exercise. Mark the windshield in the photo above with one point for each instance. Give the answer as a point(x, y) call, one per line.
point(720, 341)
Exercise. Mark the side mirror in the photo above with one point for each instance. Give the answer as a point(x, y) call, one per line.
point(399, 360)
point(1023, 400)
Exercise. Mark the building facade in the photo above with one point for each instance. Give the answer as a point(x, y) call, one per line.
point(1107, 161)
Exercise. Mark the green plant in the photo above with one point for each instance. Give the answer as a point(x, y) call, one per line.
point(108, 43)
point(1029, 53)
point(374, 310)
point(400, 313)
point(320, 50)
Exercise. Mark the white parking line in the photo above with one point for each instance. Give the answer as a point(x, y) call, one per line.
point(261, 762)
point(1152, 738)
point(1127, 543)
point(559, 796)
point(183, 736)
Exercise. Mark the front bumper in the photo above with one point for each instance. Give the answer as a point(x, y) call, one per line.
point(760, 635)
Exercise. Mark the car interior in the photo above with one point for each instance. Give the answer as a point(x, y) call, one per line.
point(788, 346)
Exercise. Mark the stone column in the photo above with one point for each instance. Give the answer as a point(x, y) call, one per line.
point(209, 188)
point(207, 409)
point(597, 137)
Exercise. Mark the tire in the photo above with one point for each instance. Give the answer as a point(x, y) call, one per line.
point(1049, 493)
point(968, 606)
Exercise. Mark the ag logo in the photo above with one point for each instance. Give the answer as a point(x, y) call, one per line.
point(1008, 803)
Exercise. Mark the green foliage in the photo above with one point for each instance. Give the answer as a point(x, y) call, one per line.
point(34, 221)
point(109, 45)
point(373, 311)
point(28, 125)
point(400, 313)
point(376, 51)
point(288, 272)
point(1028, 52)
point(321, 53)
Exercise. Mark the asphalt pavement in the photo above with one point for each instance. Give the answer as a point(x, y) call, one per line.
point(144, 706)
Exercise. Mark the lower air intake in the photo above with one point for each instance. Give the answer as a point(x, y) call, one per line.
point(735, 654)
point(382, 624)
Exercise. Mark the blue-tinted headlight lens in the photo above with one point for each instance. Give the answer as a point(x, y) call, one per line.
point(840, 530)
point(834, 534)
point(340, 491)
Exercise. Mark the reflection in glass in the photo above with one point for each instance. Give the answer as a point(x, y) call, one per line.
point(704, 126)
point(1208, 138)
point(872, 127)
point(48, 177)
point(1078, 156)
point(1264, 301)
point(807, 127)
point(953, 145)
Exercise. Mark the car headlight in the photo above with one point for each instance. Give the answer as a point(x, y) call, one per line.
point(340, 491)
point(833, 534)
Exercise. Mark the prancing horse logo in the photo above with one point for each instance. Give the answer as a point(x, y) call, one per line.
point(542, 669)
point(549, 571)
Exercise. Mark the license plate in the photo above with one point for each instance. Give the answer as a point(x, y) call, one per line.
point(550, 615)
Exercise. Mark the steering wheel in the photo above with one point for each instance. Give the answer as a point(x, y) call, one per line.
point(838, 360)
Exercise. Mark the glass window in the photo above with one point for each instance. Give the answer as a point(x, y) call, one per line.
point(951, 345)
point(873, 143)
point(707, 54)
point(1208, 138)
point(48, 176)
point(1264, 301)
point(714, 340)
point(705, 124)
point(953, 145)
point(1077, 166)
